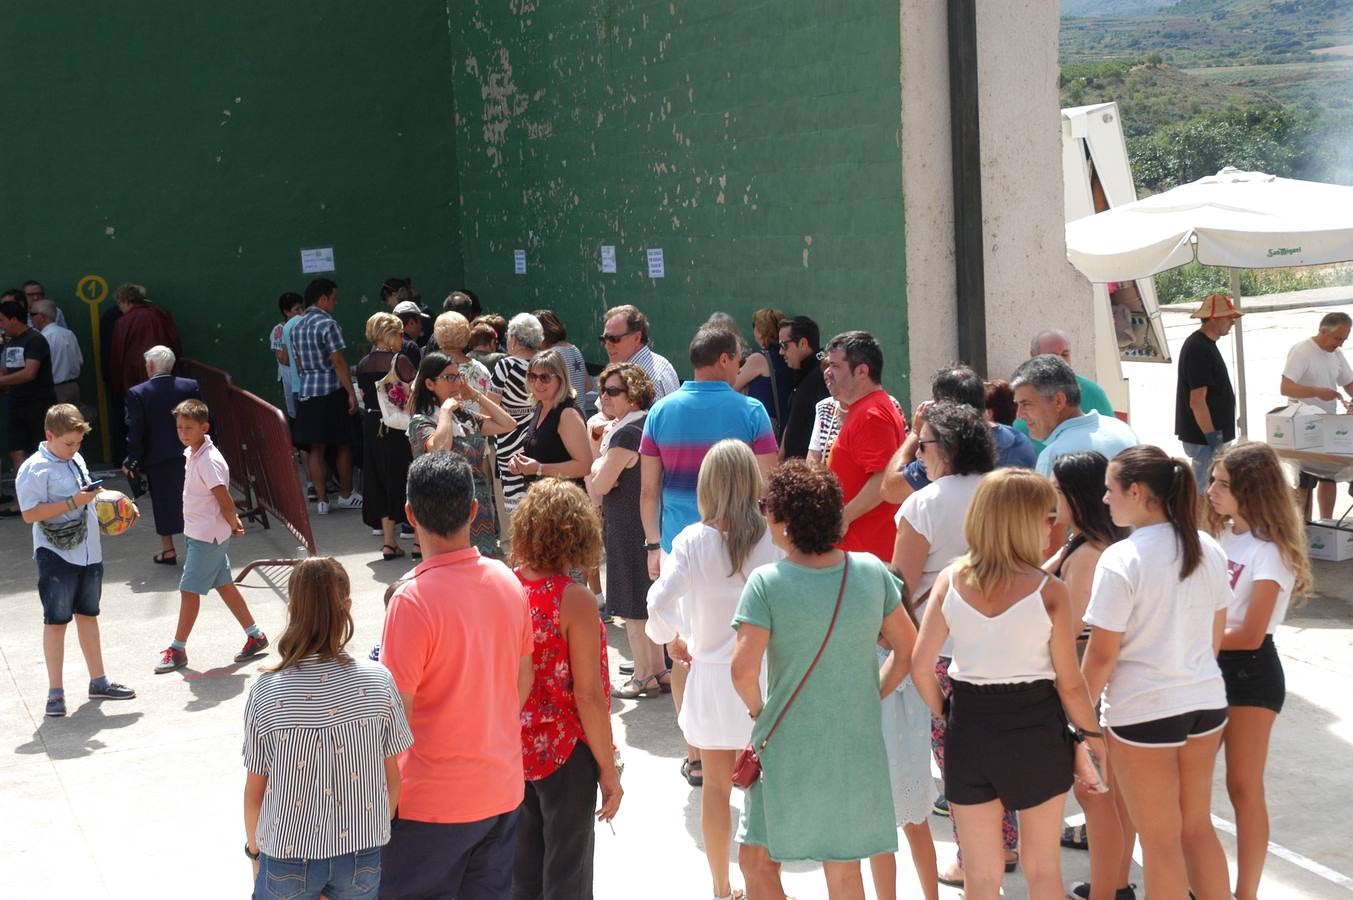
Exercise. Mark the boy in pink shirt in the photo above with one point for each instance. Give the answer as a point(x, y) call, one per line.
point(209, 519)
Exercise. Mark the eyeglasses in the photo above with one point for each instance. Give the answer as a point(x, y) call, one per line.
point(920, 443)
point(615, 338)
point(454, 376)
point(541, 376)
point(785, 345)
point(613, 391)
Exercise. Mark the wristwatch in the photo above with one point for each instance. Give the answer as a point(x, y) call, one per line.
point(656, 545)
point(252, 854)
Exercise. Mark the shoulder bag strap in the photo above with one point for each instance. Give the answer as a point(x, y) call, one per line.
point(774, 392)
point(845, 567)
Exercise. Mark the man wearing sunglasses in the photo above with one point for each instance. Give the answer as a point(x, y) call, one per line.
point(625, 337)
point(799, 345)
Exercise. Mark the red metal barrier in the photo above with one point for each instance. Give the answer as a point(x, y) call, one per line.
point(256, 442)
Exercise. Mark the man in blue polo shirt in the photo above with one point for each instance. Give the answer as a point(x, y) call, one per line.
point(679, 430)
point(1049, 401)
point(1055, 341)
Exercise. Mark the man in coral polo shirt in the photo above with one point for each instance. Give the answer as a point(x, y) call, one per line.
point(458, 641)
point(873, 431)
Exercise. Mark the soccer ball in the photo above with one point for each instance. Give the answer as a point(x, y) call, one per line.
point(115, 511)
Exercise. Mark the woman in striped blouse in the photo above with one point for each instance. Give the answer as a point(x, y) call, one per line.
point(321, 733)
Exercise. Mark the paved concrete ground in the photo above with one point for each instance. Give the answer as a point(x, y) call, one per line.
point(124, 799)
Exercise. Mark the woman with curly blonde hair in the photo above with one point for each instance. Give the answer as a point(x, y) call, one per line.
point(1251, 512)
point(567, 748)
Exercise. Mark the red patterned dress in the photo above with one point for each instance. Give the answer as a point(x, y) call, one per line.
point(550, 727)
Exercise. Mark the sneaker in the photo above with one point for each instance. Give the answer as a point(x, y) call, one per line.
point(171, 659)
point(254, 646)
point(112, 691)
point(352, 501)
point(406, 531)
point(376, 532)
point(322, 508)
point(1080, 890)
point(56, 706)
point(941, 806)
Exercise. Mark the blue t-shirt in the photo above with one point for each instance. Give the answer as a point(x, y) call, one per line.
point(1088, 432)
point(1013, 450)
point(682, 427)
point(45, 477)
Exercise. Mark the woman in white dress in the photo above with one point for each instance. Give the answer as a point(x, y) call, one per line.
point(693, 601)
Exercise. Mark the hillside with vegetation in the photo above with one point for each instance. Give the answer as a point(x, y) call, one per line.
point(1258, 84)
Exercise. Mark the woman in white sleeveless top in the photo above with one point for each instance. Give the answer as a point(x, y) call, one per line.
point(1015, 683)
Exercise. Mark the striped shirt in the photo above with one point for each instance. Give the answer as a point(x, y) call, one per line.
point(658, 370)
point(313, 342)
point(682, 427)
point(321, 731)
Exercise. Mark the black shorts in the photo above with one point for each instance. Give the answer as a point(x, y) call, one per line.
point(323, 420)
point(1172, 731)
point(1306, 481)
point(1254, 677)
point(1006, 742)
point(27, 423)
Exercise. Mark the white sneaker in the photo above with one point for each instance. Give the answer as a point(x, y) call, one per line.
point(352, 501)
point(322, 508)
point(376, 532)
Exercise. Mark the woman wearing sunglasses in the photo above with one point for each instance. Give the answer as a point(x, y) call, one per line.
point(626, 394)
point(448, 413)
point(556, 435)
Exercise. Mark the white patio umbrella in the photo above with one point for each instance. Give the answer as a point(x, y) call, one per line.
point(1242, 220)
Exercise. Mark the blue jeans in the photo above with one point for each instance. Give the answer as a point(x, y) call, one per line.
point(1201, 456)
point(353, 876)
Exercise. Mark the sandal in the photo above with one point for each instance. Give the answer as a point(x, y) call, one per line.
point(1076, 837)
point(390, 551)
point(957, 881)
point(664, 681)
point(693, 772)
point(166, 558)
point(635, 688)
point(735, 894)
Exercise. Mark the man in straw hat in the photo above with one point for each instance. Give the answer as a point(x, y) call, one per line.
point(1205, 402)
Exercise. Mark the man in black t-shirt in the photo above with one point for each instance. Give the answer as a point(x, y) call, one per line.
point(1205, 403)
point(27, 363)
point(799, 345)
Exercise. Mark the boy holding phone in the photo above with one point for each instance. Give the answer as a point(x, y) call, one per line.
point(54, 494)
point(209, 520)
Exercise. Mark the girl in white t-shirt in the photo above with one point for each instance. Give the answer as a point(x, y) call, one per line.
point(1157, 610)
point(1254, 517)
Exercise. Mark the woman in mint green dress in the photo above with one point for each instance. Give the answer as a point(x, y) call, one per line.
point(823, 793)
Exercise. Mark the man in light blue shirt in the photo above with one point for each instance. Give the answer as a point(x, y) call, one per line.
point(1049, 401)
point(1055, 341)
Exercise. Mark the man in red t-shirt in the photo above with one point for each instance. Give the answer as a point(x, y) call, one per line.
point(874, 429)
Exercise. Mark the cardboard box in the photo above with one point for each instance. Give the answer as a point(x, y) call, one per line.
point(1329, 540)
point(1336, 433)
point(1295, 427)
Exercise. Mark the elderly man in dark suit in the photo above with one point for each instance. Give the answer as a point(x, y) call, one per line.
point(153, 446)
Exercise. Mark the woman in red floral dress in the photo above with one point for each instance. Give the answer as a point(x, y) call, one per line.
point(567, 749)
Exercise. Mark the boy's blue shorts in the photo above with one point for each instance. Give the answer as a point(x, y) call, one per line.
point(207, 567)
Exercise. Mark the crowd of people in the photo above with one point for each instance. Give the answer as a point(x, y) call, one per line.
point(773, 531)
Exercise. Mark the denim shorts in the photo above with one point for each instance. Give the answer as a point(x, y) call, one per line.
point(207, 567)
point(65, 588)
point(352, 876)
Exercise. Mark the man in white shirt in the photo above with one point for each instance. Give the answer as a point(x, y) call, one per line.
point(66, 356)
point(625, 337)
point(1314, 372)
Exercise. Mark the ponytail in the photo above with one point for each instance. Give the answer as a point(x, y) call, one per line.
point(1171, 482)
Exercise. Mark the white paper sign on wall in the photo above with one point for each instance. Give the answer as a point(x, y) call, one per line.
point(655, 266)
point(320, 259)
point(519, 262)
point(608, 258)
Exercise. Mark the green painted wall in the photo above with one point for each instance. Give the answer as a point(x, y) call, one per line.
point(197, 149)
point(757, 144)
